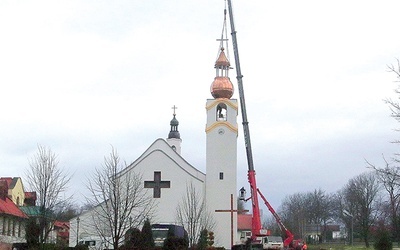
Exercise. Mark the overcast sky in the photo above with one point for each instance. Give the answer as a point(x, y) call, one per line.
point(79, 76)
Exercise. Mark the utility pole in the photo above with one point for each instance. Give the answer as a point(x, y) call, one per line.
point(348, 214)
point(77, 230)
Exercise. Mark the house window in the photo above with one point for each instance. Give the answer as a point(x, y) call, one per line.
point(221, 175)
point(3, 228)
point(9, 227)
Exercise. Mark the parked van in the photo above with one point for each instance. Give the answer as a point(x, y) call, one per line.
point(95, 243)
point(272, 242)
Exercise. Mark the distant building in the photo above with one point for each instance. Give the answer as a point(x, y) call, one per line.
point(60, 233)
point(30, 199)
point(12, 219)
point(16, 206)
point(244, 226)
point(15, 189)
point(318, 233)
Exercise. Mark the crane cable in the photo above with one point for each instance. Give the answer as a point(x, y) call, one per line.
point(224, 35)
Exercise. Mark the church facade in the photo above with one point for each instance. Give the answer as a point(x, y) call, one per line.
point(166, 174)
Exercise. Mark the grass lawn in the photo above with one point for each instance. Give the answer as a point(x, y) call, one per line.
point(345, 247)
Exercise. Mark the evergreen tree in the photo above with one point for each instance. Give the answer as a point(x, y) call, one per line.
point(133, 238)
point(202, 243)
point(210, 239)
point(32, 230)
point(175, 243)
point(147, 235)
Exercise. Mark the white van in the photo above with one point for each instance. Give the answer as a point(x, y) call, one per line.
point(95, 243)
point(272, 242)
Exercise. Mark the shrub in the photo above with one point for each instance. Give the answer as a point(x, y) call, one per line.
point(383, 240)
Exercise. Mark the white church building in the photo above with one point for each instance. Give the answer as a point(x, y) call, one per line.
point(166, 173)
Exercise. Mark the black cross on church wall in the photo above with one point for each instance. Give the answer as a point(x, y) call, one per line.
point(157, 184)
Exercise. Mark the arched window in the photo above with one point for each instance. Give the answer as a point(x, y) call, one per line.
point(221, 112)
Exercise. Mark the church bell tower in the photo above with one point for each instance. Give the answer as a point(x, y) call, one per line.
point(221, 152)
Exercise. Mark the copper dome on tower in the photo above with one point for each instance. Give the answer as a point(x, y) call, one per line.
point(222, 87)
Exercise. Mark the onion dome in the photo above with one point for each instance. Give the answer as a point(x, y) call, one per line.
point(222, 86)
point(174, 133)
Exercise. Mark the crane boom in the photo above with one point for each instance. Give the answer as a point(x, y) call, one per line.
point(256, 220)
point(289, 235)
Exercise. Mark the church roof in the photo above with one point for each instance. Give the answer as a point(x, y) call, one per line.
point(160, 145)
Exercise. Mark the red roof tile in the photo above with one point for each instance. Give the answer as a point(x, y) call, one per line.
point(244, 221)
point(7, 206)
point(61, 224)
point(29, 195)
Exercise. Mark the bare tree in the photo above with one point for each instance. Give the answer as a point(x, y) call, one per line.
point(120, 200)
point(394, 105)
point(193, 215)
point(360, 197)
point(48, 181)
point(293, 212)
point(320, 210)
point(389, 176)
point(302, 211)
point(269, 222)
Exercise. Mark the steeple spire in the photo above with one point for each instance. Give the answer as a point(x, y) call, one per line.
point(174, 133)
point(222, 86)
point(174, 137)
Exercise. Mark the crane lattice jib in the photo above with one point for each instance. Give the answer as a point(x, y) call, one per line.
point(256, 220)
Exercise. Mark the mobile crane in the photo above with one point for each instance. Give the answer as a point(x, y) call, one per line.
point(256, 230)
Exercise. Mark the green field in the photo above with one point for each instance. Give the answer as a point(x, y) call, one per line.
point(345, 247)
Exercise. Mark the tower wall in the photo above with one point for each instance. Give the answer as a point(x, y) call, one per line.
point(221, 166)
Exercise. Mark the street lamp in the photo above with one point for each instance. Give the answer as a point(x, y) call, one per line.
point(77, 229)
point(347, 213)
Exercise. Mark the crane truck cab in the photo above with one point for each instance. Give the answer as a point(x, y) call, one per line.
point(272, 242)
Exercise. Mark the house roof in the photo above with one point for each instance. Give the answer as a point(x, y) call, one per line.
point(244, 222)
point(7, 206)
point(61, 224)
point(30, 195)
point(34, 211)
point(333, 228)
point(7, 179)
